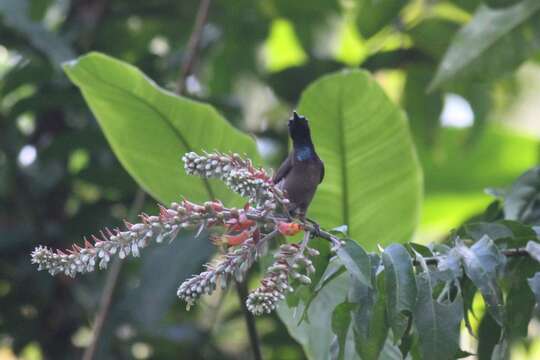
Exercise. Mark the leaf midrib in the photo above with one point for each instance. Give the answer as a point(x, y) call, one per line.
point(343, 159)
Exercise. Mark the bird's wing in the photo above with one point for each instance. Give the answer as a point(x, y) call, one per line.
point(322, 171)
point(283, 170)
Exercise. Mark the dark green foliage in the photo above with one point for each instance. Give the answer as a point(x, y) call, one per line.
point(407, 300)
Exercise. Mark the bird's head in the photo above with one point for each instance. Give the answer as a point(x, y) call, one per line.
point(299, 130)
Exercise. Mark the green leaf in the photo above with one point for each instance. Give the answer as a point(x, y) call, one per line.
point(482, 262)
point(373, 15)
point(522, 200)
point(493, 43)
point(422, 108)
point(357, 262)
point(316, 336)
point(437, 323)
point(533, 248)
point(534, 284)
point(373, 181)
point(500, 3)
point(16, 15)
point(400, 287)
point(370, 323)
point(432, 36)
point(456, 174)
point(341, 321)
point(489, 334)
point(519, 308)
point(507, 232)
point(149, 129)
point(333, 270)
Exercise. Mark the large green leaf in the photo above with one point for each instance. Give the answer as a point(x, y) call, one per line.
point(493, 43)
point(316, 336)
point(373, 180)
point(456, 174)
point(149, 129)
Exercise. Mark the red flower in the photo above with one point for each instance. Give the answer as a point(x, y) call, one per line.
point(289, 229)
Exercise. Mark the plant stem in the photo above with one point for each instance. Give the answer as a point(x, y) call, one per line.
point(515, 252)
point(110, 285)
point(242, 290)
point(193, 45)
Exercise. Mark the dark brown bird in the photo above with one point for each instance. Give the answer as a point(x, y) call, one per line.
point(303, 170)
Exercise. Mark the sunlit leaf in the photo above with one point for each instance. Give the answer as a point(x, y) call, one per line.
point(373, 181)
point(150, 129)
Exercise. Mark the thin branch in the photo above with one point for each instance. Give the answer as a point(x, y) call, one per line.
point(242, 290)
point(110, 285)
point(193, 45)
point(516, 252)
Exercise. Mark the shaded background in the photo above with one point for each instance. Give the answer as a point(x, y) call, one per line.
point(60, 181)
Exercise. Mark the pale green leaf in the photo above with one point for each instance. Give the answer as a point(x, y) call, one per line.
point(149, 128)
point(373, 180)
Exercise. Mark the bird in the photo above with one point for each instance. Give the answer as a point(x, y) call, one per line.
point(302, 171)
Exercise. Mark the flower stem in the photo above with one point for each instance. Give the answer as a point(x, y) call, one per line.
point(242, 291)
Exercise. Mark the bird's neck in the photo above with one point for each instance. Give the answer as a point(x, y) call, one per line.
point(304, 151)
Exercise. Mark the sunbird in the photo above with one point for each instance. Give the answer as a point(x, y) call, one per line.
point(302, 171)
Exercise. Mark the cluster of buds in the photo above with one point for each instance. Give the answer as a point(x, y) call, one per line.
point(244, 234)
point(238, 174)
point(233, 265)
point(289, 262)
point(166, 225)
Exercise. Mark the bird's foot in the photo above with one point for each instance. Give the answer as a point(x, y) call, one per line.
point(316, 232)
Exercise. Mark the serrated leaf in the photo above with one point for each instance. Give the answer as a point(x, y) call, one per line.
point(493, 43)
point(149, 129)
point(400, 287)
point(482, 262)
point(437, 323)
point(357, 262)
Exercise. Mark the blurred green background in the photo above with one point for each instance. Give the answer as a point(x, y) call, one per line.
point(59, 180)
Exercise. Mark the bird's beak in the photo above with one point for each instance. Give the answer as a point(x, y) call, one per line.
point(296, 117)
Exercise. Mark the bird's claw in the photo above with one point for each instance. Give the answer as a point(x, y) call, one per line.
point(316, 232)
